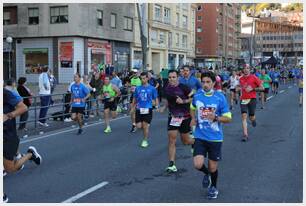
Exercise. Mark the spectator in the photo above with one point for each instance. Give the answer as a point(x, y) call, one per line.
point(96, 84)
point(88, 107)
point(44, 92)
point(53, 83)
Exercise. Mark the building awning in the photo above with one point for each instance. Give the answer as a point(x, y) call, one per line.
point(35, 50)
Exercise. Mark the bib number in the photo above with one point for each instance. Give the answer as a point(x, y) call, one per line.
point(176, 121)
point(245, 101)
point(77, 101)
point(144, 110)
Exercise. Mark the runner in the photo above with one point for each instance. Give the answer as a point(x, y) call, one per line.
point(187, 79)
point(13, 106)
point(208, 110)
point(178, 103)
point(143, 98)
point(300, 84)
point(275, 76)
point(250, 84)
point(134, 82)
point(79, 95)
point(109, 92)
point(234, 82)
point(266, 80)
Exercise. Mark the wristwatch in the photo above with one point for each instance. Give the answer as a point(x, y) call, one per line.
point(216, 119)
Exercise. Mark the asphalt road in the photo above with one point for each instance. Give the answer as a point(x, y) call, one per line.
point(104, 168)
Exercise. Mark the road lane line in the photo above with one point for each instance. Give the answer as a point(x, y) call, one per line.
point(289, 87)
point(69, 130)
point(270, 97)
point(86, 192)
point(281, 91)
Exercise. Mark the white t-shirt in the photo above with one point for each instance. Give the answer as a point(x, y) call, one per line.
point(234, 82)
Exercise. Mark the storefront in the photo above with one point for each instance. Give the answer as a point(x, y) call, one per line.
point(99, 54)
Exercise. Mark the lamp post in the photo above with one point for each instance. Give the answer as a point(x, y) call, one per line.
point(9, 40)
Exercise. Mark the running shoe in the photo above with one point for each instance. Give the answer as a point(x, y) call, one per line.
point(254, 123)
point(133, 129)
point(144, 143)
point(206, 182)
point(108, 130)
point(80, 131)
point(171, 168)
point(5, 198)
point(35, 156)
point(212, 193)
point(244, 138)
point(192, 148)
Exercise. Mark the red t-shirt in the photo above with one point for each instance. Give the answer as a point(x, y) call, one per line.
point(218, 84)
point(252, 81)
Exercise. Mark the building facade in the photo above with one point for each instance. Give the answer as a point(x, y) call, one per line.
point(67, 38)
point(217, 34)
point(170, 32)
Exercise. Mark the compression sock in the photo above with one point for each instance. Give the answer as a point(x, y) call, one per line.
point(214, 177)
point(204, 169)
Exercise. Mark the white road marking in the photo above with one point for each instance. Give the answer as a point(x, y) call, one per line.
point(270, 97)
point(69, 130)
point(290, 87)
point(86, 192)
point(281, 91)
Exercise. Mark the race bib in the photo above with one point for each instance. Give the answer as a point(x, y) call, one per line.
point(176, 121)
point(77, 101)
point(144, 110)
point(245, 101)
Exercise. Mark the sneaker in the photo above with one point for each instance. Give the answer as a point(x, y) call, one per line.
point(21, 168)
point(108, 130)
point(254, 123)
point(144, 143)
point(206, 182)
point(171, 168)
point(212, 193)
point(133, 129)
point(67, 120)
point(244, 138)
point(35, 156)
point(40, 123)
point(80, 131)
point(5, 198)
point(25, 136)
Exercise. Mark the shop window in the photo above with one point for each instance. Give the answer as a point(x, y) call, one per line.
point(113, 20)
point(35, 60)
point(100, 17)
point(128, 23)
point(33, 16)
point(59, 14)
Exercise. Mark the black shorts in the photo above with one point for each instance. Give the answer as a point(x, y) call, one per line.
point(266, 91)
point(249, 108)
point(78, 110)
point(143, 117)
point(183, 128)
point(10, 147)
point(233, 90)
point(203, 147)
point(275, 84)
point(110, 105)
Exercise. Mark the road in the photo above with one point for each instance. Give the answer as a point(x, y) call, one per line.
point(112, 168)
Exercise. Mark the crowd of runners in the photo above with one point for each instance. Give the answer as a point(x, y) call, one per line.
point(198, 101)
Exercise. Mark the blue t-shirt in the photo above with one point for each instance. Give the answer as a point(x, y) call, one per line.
point(206, 129)
point(144, 96)
point(275, 76)
point(79, 92)
point(192, 82)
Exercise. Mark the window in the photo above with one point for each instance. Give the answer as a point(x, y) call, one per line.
point(177, 23)
point(184, 21)
point(6, 18)
point(128, 23)
point(199, 29)
point(157, 12)
point(200, 18)
point(100, 17)
point(161, 37)
point(10, 15)
point(169, 39)
point(33, 16)
point(199, 50)
point(167, 15)
point(199, 39)
point(199, 8)
point(59, 14)
point(184, 41)
point(35, 59)
point(177, 39)
point(113, 20)
point(154, 36)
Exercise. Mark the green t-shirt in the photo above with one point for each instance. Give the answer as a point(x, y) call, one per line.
point(266, 80)
point(135, 81)
point(108, 91)
point(164, 74)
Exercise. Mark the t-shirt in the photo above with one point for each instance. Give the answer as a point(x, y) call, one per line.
point(202, 104)
point(135, 81)
point(192, 82)
point(266, 80)
point(171, 93)
point(10, 101)
point(252, 81)
point(234, 82)
point(275, 76)
point(218, 83)
point(79, 92)
point(144, 96)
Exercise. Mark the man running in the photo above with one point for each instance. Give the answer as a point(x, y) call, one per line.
point(187, 79)
point(266, 80)
point(234, 82)
point(143, 98)
point(178, 103)
point(208, 110)
point(134, 82)
point(275, 76)
point(79, 95)
point(109, 94)
point(249, 84)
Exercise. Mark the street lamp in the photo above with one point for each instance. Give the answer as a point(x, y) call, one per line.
point(9, 40)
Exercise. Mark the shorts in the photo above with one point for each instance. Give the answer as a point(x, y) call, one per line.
point(78, 110)
point(266, 91)
point(131, 97)
point(233, 90)
point(110, 105)
point(203, 147)
point(183, 128)
point(143, 117)
point(275, 84)
point(10, 147)
point(249, 108)
point(301, 90)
